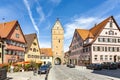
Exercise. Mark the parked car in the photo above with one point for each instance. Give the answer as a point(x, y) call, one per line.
point(44, 69)
point(71, 65)
point(118, 64)
point(94, 66)
point(68, 65)
point(109, 65)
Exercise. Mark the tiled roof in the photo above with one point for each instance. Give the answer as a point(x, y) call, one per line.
point(95, 31)
point(29, 38)
point(46, 51)
point(98, 28)
point(84, 33)
point(6, 28)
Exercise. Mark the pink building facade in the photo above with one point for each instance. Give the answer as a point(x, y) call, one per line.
point(14, 42)
point(96, 45)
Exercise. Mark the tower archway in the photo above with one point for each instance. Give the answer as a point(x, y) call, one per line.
point(57, 61)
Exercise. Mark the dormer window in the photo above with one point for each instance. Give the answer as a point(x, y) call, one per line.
point(34, 43)
point(111, 33)
point(17, 27)
point(17, 35)
point(110, 23)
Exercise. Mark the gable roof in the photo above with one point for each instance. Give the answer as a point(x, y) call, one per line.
point(84, 34)
point(57, 22)
point(46, 52)
point(95, 31)
point(30, 38)
point(6, 28)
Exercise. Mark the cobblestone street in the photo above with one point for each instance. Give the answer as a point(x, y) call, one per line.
point(60, 72)
point(25, 76)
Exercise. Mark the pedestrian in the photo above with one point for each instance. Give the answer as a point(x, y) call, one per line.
point(34, 71)
point(11, 68)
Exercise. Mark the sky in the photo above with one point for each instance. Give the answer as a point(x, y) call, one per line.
point(39, 16)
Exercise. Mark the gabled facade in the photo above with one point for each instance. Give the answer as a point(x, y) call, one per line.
point(12, 42)
point(99, 44)
point(32, 48)
point(58, 43)
point(46, 55)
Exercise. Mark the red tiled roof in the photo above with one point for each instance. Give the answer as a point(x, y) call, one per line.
point(95, 31)
point(6, 27)
point(46, 51)
point(84, 33)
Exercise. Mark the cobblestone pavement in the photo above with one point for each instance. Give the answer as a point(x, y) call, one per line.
point(61, 72)
point(25, 76)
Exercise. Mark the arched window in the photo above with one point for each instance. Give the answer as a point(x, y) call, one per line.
point(34, 50)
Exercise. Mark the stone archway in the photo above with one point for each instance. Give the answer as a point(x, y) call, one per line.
point(57, 61)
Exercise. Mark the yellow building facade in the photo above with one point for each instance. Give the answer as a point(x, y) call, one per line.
point(58, 43)
point(32, 48)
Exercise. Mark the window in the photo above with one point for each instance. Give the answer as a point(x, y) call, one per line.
point(102, 48)
point(29, 56)
point(110, 57)
point(31, 49)
point(108, 39)
point(118, 40)
point(0, 55)
point(110, 49)
point(106, 57)
point(100, 39)
point(95, 57)
point(111, 24)
point(17, 27)
point(101, 57)
point(34, 43)
point(59, 40)
point(34, 50)
point(103, 39)
point(17, 35)
point(105, 32)
point(117, 49)
point(0, 45)
point(98, 48)
point(93, 48)
point(44, 57)
point(111, 33)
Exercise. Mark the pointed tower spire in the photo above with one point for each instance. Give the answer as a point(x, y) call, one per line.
point(57, 19)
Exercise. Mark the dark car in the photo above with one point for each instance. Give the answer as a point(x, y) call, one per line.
point(71, 65)
point(94, 66)
point(68, 65)
point(109, 65)
point(118, 64)
point(43, 69)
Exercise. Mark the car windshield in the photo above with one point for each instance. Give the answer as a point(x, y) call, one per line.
point(43, 67)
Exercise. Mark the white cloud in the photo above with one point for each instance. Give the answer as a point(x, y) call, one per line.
point(88, 19)
point(42, 16)
point(40, 11)
point(30, 15)
point(45, 44)
point(82, 23)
